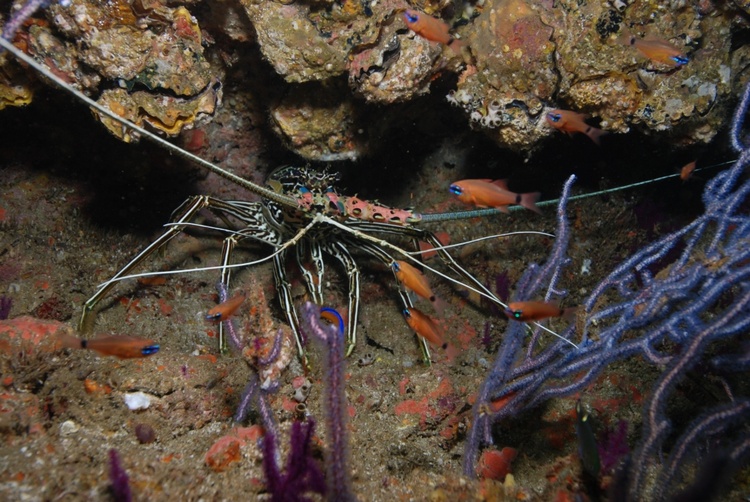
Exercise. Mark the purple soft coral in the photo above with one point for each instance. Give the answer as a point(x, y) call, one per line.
point(613, 446)
point(118, 479)
point(5, 304)
point(302, 474)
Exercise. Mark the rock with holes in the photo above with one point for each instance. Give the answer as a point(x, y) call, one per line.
point(530, 57)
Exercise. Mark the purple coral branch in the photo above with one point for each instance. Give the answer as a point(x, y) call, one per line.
point(5, 304)
point(509, 353)
point(275, 350)
point(302, 474)
point(21, 15)
point(118, 479)
point(257, 394)
point(738, 122)
point(670, 303)
point(337, 471)
point(716, 421)
point(243, 408)
point(549, 273)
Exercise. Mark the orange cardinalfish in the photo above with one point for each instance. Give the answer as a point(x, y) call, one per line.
point(686, 172)
point(122, 346)
point(488, 193)
point(427, 328)
point(431, 28)
point(416, 281)
point(572, 122)
point(657, 50)
point(224, 311)
point(535, 311)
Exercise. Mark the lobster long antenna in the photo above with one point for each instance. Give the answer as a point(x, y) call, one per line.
point(479, 239)
point(382, 243)
point(476, 213)
point(249, 185)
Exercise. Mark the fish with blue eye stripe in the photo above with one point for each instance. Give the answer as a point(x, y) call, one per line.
point(571, 123)
point(224, 310)
point(536, 311)
point(657, 50)
point(426, 327)
point(122, 346)
point(432, 29)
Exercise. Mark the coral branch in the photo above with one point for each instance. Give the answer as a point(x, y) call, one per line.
point(335, 401)
point(681, 303)
point(302, 474)
point(118, 479)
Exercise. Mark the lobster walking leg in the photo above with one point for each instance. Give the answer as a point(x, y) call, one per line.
point(184, 213)
point(340, 252)
point(406, 302)
point(284, 292)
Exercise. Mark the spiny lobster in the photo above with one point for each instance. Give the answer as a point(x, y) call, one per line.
point(301, 211)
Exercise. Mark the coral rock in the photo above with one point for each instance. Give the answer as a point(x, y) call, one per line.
point(316, 123)
point(295, 46)
point(164, 113)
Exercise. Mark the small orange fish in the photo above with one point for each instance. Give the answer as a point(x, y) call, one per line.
point(572, 122)
point(657, 50)
point(122, 346)
point(424, 326)
point(432, 29)
point(154, 280)
point(416, 281)
point(413, 279)
point(535, 311)
point(224, 311)
point(687, 171)
point(487, 193)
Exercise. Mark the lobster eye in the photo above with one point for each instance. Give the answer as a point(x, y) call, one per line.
point(406, 313)
point(554, 117)
point(395, 266)
point(411, 17)
point(455, 190)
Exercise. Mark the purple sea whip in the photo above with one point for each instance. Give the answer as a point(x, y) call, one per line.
point(302, 474)
point(21, 15)
point(118, 479)
point(681, 303)
point(337, 468)
point(5, 304)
